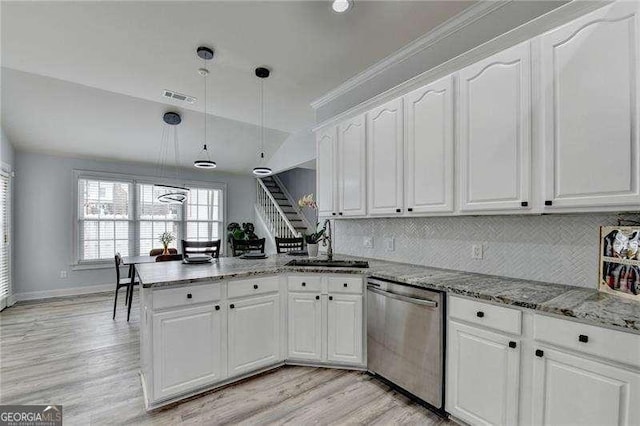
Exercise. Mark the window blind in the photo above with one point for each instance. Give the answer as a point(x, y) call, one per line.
point(155, 218)
point(104, 219)
point(204, 214)
point(5, 258)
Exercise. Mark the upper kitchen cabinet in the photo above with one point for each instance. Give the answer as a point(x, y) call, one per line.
point(327, 197)
point(494, 111)
point(429, 148)
point(385, 158)
point(351, 162)
point(590, 87)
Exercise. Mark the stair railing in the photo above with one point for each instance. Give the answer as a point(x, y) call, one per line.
point(294, 203)
point(275, 219)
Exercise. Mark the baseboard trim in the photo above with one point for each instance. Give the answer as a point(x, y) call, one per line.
point(63, 292)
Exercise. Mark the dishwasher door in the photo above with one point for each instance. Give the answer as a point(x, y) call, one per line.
point(405, 338)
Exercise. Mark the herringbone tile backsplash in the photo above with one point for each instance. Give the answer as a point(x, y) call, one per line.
point(554, 248)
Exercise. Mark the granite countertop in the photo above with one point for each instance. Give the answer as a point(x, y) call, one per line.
point(581, 303)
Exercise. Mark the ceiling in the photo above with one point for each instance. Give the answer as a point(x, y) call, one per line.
point(95, 62)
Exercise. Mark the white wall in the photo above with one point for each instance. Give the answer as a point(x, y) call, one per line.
point(297, 149)
point(559, 249)
point(300, 182)
point(44, 217)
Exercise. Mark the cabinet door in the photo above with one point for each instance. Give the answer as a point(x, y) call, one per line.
point(483, 376)
point(344, 324)
point(351, 168)
point(305, 326)
point(326, 179)
point(385, 158)
point(494, 130)
point(254, 333)
point(429, 148)
point(591, 86)
point(570, 390)
point(186, 350)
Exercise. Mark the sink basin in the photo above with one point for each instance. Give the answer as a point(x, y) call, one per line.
point(330, 263)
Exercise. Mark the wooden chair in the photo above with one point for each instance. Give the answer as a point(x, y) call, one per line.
point(122, 282)
point(239, 247)
point(168, 257)
point(284, 245)
point(159, 251)
point(212, 248)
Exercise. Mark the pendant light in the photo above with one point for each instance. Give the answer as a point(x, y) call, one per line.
point(261, 169)
point(204, 160)
point(170, 194)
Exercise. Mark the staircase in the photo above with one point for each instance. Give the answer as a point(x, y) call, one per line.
point(278, 210)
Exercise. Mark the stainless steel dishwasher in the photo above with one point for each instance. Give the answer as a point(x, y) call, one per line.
point(405, 338)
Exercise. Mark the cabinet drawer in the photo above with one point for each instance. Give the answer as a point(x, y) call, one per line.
point(187, 295)
point(496, 317)
point(603, 342)
point(345, 285)
point(258, 285)
point(305, 283)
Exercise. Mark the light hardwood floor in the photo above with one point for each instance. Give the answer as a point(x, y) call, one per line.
point(68, 351)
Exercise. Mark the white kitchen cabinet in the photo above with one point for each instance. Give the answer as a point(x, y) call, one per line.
point(254, 333)
point(344, 328)
point(590, 86)
point(187, 345)
point(351, 160)
point(429, 148)
point(385, 147)
point(483, 375)
point(572, 390)
point(326, 172)
point(494, 115)
point(305, 326)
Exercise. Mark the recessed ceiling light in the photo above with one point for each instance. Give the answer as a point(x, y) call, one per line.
point(341, 6)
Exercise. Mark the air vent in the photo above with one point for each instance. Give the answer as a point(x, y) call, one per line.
point(179, 97)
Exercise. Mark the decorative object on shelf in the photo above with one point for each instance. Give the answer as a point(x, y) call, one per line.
point(313, 239)
point(170, 194)
point(204, 159)
point(262, 169)
point(620, 261)
point(166, 238)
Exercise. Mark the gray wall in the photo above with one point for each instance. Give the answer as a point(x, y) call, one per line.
point(300, 182)
point(551, 248)
point(508, 17)
point(45, 209)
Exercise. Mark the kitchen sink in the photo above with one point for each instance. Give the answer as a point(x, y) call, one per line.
point(330, 263)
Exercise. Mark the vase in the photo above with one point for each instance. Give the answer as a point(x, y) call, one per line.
point(165, 252)
point(312, 249)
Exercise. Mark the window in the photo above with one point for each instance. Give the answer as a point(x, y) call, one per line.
point(121, 214)
point(204, 221)
point(155, 218)
point(5, 256)
point(103, 219)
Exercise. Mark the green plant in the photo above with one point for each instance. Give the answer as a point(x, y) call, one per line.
point(166, 238)
point(318, 235)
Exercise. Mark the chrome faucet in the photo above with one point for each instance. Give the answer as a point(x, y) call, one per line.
point(326, 227)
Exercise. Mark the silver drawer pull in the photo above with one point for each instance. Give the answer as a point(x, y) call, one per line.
point(423, 302)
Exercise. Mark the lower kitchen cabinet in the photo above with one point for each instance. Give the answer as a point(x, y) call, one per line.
point(569, 389)
point(187, 349)
point(483, 369)
point(344, 324)
point(254, 333)
point(305, 326)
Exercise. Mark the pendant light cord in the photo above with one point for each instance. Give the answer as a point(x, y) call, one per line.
point(262, 120)
point(204, 66)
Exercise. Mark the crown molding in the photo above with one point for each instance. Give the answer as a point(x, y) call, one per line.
point(458, 22)
point(525, 32)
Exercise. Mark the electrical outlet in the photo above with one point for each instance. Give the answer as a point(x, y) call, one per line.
point(477, 251)
point(368, 242)
point(390, 243)
point(63, 275)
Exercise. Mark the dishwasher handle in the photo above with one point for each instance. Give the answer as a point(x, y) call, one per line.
point(401, 297)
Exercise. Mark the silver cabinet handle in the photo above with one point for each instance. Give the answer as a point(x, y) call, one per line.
point(423, 302)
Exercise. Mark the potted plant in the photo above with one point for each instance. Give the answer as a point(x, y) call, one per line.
point(166, 238)
point(313, 239)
